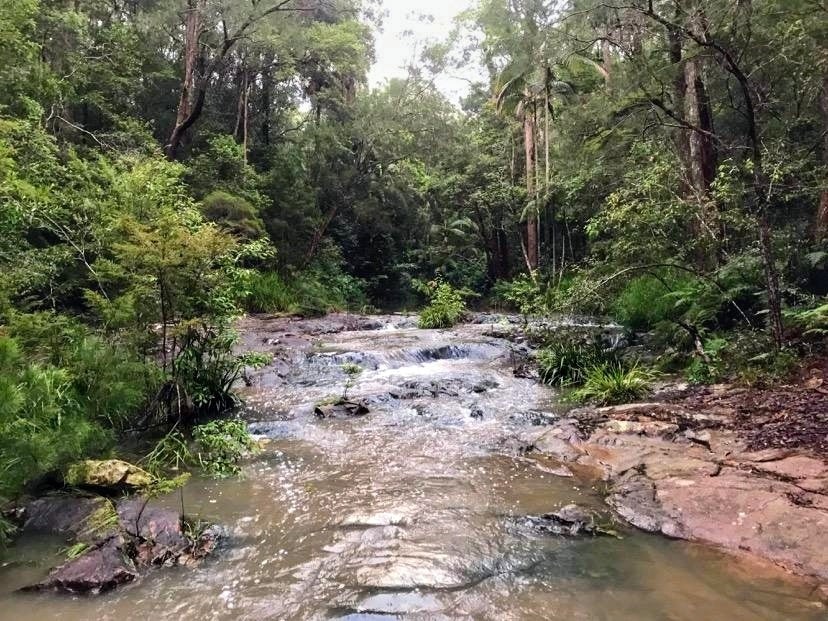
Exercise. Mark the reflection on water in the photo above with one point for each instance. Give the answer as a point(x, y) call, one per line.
point(409, 512)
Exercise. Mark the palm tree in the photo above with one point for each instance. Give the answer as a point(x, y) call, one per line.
point(532, 88)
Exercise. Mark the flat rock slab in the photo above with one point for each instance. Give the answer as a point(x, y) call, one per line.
point(704, 487)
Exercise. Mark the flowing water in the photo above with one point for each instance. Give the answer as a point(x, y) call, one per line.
point(413, 512)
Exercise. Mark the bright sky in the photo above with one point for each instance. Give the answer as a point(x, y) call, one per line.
point(405, 35)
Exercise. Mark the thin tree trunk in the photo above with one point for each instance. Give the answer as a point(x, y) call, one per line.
point(772, 279)
point(267, 97)
point(531, 245)
point(237, 130)
point(551, 220)
point(245, 114)
point(822, 212)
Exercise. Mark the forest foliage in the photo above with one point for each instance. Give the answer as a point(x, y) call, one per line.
point(168, 165)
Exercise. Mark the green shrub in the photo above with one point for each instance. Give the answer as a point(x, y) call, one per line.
point(446, 305)
point(234, 214)
point(110, 383)
point(813, 321)
point(312, 293)
point(221, 445)
point(566, 363)
point(7, 532)
point(269, 293)
point(206, 368)
point(170, 453)
point(521, 294)
point(44, 424)
point(712, 368)
point(352, 372)
point(614, 383)
point(644, 303)
point(746, 356)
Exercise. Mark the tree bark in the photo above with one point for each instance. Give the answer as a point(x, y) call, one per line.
point(531, 191)
point(267, 97)
point(188, 101)
point(760, 200)
point(702, 164)
point(822, 211)
point(681, 134)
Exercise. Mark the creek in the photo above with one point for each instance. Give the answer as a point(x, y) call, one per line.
point(416, 511)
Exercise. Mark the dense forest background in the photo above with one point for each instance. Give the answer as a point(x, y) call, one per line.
point(166, 165)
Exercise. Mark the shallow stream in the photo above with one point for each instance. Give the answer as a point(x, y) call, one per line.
point(413, 512)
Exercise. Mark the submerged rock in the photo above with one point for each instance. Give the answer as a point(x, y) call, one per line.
point(417, 389)
point(345, 409)
point(571, 521)
point(100, 569)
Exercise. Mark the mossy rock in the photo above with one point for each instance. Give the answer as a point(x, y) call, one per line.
point(113, 474)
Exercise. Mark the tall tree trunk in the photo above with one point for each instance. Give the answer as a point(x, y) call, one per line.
point(822, 212)
point(681, 135)
point(189, 99)
point(246, 114)
point(531, 250)
point(695, 148)
point(267, 97)
point(702, 164)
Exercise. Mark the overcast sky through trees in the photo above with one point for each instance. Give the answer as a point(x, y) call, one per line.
point(406, 32)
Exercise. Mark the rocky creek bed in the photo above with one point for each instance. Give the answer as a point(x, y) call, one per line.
point(465, 492)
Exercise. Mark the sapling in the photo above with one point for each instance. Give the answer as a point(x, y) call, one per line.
point(352, 371)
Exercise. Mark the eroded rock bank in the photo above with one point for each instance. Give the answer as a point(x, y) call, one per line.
point(692, 475)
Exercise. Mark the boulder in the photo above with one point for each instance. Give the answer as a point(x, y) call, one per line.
point(145, 536)
point(110, 474)
point(157, 531)
point(59, 514)
point(100, 569)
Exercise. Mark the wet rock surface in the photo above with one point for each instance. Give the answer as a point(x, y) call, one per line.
point(101, 569)
point(426, 510)
point(139, 536)
point(345, 409)
point(571, 521)
point(688, 476)
point(59, 514)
